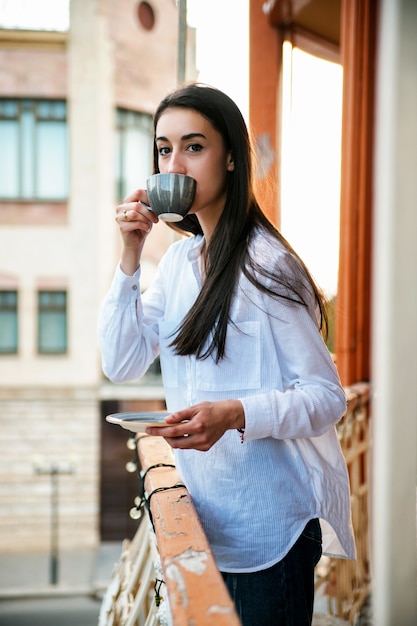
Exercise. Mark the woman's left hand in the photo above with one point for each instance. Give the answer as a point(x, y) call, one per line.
point(199, 427)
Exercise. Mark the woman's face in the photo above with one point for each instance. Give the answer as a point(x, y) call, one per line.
point(187, 143)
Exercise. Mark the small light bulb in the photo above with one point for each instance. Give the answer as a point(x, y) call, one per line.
point(131, 443)
point(135, 513)
point(131, 467)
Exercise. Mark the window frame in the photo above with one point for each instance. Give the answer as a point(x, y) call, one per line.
point(29, 115)
point(12, 308)
point(52, 309)
point(126, 120)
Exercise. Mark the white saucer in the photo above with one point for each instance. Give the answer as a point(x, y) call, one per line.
point(138, 422)
point(171, 217)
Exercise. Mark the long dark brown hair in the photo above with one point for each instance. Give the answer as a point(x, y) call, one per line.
point(203, 330)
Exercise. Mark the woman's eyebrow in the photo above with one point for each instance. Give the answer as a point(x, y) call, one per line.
point(183, 138)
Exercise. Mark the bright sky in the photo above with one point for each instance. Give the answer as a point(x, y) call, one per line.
point(311, 136)
point(41, 14)
point(223, 46)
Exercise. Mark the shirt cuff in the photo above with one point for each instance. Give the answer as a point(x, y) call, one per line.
point(124, 285)
point(259, 418)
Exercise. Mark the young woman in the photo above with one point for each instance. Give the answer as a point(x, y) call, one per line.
point(253, 393)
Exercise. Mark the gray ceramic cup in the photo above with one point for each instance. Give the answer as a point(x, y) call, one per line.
point(171, 196)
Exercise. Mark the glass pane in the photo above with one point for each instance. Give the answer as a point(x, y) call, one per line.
point(51, 110)
point(60, 110)
point(8, 332)
point(52, 322)
point(8, 300)
point(137, 158)
point(26, 186)
point(52, 165)
point(311, 147)
point(52, 332)
point(45, 299)
point(58, 300)
point(134, 150)
point(9, 138)
point(8, 108)
point(52, 300)
point(8, 322)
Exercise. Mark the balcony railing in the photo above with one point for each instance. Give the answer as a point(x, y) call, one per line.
point(167, 574)
point(346, 583)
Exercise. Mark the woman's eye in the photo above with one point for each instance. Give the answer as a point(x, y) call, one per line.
point(163, 151)
point(194, 147)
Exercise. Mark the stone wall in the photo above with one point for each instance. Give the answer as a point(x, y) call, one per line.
point(43, 428)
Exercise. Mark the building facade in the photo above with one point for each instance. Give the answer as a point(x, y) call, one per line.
point(75, 137)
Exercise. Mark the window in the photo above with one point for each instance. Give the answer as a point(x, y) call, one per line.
point(52, 322)
point(134, 151)
point(311, 148)
point(8, 322)
point(33, 150)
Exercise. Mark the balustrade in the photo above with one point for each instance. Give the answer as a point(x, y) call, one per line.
point(167, 574)
point(346, 583)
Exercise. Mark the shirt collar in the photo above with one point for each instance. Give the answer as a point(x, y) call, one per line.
point(195, 252)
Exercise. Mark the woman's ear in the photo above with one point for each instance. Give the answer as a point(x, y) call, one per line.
point(230, 162)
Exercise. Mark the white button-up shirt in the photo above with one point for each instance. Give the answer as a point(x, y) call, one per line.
point(255, 498)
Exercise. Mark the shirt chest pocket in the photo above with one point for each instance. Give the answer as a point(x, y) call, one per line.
point(241, 368)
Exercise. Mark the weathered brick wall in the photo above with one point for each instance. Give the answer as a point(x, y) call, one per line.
point(145, 61)
point(35, 67)
point(43, 427)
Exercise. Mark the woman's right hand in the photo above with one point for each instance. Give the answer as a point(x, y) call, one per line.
point(135, 221)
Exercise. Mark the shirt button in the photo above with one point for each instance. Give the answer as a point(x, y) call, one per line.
point(134, 287)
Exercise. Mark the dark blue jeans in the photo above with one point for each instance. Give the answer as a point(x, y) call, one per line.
point(282, 595)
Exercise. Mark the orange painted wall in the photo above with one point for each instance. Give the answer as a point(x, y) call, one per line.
point(353, 336)
point(358, 45)
point(264, 105)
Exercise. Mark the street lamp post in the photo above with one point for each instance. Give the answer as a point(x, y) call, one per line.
point(54, 471)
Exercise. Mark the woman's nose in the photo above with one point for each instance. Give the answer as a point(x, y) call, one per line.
point(176, 164)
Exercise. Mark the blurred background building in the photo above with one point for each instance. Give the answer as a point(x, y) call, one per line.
point(75, 136)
